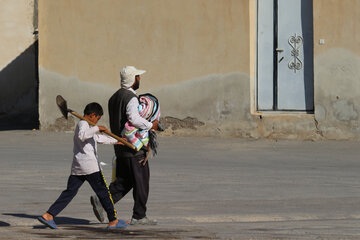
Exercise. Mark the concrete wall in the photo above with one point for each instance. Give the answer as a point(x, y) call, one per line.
point(336, 77)
point(188, 43)
point(18, 64)
point(337, 68)
point(199, 57)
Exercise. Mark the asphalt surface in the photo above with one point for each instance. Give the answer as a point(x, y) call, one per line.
point(200, 188)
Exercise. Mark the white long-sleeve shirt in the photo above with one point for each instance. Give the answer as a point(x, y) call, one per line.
point(85, 160)
point(132, 113)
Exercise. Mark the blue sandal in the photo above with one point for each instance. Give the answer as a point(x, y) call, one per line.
point(120, 224)
point(51, 224)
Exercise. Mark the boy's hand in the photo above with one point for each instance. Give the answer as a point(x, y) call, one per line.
point(102, 128)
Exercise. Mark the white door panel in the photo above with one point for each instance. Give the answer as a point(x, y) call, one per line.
point(295, 88)
point(265, 63)
point(285, 75)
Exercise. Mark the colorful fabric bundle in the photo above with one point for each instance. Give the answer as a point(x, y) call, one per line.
point(149, 108)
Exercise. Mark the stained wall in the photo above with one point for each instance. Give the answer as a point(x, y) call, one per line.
point(18, 65)
point(200, 57)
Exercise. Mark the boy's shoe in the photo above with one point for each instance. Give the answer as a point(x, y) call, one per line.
point(120, 224)
point(49, 223)
point(143, 221)
point(97, 208)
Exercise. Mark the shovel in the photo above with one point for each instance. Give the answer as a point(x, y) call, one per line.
point(60, 101)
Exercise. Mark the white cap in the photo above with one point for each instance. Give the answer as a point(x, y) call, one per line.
point(127, 76)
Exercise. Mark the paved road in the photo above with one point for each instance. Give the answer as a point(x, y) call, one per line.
point(201, 188)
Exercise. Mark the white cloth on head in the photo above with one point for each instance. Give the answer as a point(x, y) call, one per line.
point(127, 76)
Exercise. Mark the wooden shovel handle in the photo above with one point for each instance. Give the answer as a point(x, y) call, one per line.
point(107, 131)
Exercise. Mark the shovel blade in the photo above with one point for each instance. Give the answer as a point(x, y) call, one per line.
point(60, 101)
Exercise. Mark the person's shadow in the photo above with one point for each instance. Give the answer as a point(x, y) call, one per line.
point(59, 220)
point(4, 224)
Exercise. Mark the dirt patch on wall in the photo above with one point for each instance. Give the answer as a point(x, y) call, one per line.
point(337, 91)
point(175, 123)
point(61, 124)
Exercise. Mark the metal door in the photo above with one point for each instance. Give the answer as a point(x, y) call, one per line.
point(285, 55)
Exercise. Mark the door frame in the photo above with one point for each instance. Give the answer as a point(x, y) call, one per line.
point(253, 29)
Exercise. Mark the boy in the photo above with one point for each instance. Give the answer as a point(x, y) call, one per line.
point(85, 166)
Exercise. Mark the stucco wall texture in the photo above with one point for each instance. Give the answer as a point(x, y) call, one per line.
point(337, 68)
point(84, 44)
point(18, 67)
point(197, 56)
point(16, 25)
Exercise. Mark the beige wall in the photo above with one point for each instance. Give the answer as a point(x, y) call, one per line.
point(16, 26)
point(18, 70)
point(337, 68)
point(173, 40)
point(336, 77)
point(338, 23)
point(200, 56)
point(84, 44)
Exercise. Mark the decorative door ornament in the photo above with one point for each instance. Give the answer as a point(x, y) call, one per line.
point(295, 43)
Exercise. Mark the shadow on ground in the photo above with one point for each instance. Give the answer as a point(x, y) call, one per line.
point(4, 224)
point(83, 229)
point(138, 232)
point(59, 220)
